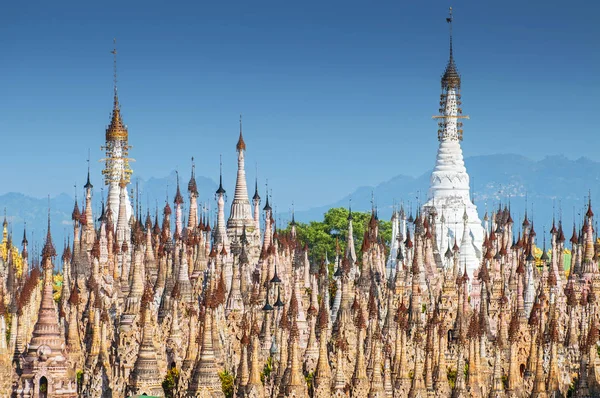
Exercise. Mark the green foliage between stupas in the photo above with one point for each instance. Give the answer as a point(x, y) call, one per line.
point(321, 235)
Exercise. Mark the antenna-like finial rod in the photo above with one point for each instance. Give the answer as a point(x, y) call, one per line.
point(114, 53)
point(449, 20)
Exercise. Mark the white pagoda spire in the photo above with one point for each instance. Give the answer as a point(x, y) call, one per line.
point(117, 152)
point(220, 231)
point(449, 190)
point(240, 206)
point(241, 217)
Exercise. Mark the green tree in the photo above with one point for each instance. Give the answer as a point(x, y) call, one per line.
point(321, 235)
point(227, 381)
point(170, 382)
point(79, 379)
point(267, 369)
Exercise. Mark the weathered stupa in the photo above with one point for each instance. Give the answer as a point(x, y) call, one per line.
point(449, 199)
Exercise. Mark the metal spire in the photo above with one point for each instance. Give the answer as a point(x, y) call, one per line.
point(220, 191)
point(114, 53)
point(449, 20)
point(241, 145)
point(451, 77)
point(88, 184)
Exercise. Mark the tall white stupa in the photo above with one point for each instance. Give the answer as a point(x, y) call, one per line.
point(117, 170)
point(449, 196)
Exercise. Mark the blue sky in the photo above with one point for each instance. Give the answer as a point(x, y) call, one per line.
point(334, 95)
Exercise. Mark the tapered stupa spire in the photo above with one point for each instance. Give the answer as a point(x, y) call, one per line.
point(451, 77)
point(240, 207)
point(240, 215)
point(117, 150)
point(449, 190)
point(241, 145)
point(48, 252)
point(45, 356)
point(117, 129)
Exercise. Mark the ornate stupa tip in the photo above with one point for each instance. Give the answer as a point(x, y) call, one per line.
point(103, 214)
point(241, 145)
point(148, 222)
point(66, 256)
point(178, 197)
point(221, 190)
point(116, 130)
point(451, 77)
point(76, 213)
point(267, 205)
point(24, 241)
point(167, 210)
point(192, 186)
point(48, 250)
point(88, 184)
point(256, 195)
point(275, 278)
point(448, 253)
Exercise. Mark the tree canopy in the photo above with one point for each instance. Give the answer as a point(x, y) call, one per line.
point(321, 235)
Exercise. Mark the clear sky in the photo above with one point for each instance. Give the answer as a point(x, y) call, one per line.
point(334, 94)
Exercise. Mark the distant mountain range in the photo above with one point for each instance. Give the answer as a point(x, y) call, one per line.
point(554, 182)
point(548, 185)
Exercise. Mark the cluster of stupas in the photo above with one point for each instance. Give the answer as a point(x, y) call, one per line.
point(435, 313)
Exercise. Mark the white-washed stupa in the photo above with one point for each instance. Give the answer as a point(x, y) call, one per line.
point(449, 196)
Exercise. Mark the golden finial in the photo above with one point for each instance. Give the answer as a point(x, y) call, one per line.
point(241, 145)
point(117, 129)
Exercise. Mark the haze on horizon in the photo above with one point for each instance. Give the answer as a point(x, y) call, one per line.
point(334, 96)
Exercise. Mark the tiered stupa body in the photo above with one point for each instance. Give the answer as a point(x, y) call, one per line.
point(44, 368)
point(449, 191)
point(241, 217)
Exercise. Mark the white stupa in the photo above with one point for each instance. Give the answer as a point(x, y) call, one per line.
point(117, 159)
point(449, 191)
